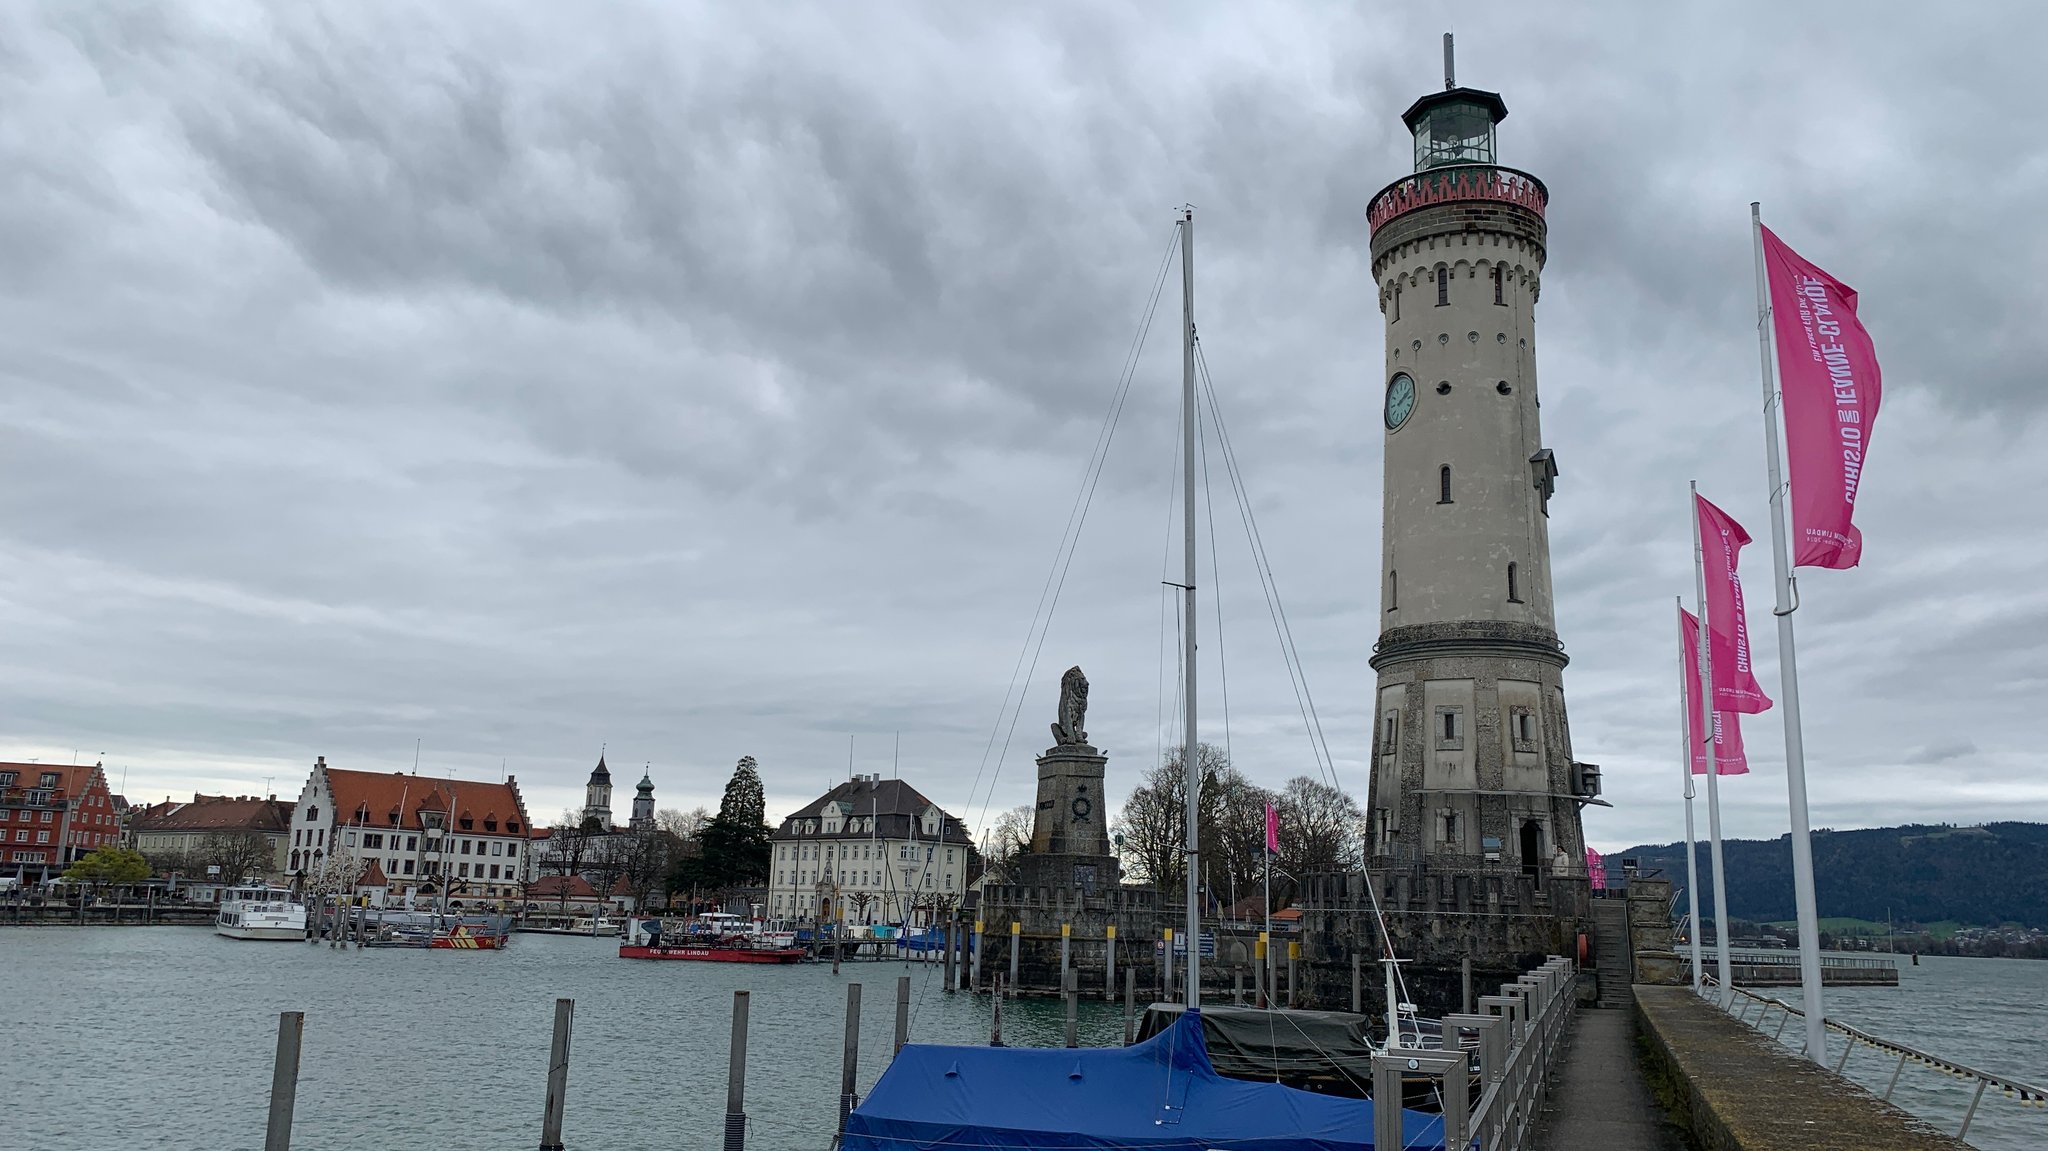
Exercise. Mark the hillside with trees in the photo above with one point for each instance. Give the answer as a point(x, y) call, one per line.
point(1996, 873)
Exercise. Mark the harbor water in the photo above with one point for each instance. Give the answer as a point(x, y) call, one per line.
point(1991, 1014)
point(163, 1038)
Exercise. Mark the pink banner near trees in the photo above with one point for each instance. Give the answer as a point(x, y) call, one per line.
point(1828, 374)
point(1272, 830)
point(1728, 756)
point(1721, 543)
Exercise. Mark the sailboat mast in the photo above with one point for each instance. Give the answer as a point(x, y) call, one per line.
point(1190, 760)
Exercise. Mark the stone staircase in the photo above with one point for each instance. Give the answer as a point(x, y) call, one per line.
point(1611, 958)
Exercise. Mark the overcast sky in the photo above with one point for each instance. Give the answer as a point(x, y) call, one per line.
point(700, 381)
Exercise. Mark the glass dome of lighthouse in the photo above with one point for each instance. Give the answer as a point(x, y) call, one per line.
point(1454, 126)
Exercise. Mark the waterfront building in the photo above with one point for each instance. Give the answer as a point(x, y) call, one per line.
point(51, 816)
point(222, 826)
point(869, 851)
point(423, 833)
point(1471, 755)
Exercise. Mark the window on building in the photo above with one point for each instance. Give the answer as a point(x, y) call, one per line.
point(44, 836)
point(50, 779)
point(46, 817)
point(1514, 587)
point(1450, 827)
point(1500, 283)
point(351, 840)
point(1443, 285)
point(312, 815)
point(1522, 724)
point(465, 847)
point(21, 835)
point(1443, 484)
point(408, 867)
point(412, 843)
point(7, 778)
point(1450, 729)
point(511, 849)
point(1397, 301)
point(1390, 733)
point(497, 848)
point(494, 871)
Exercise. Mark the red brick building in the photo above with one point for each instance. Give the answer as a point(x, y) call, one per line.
point(51, 815)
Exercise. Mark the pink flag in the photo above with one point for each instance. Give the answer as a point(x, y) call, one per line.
point(1596, 870)
point(1272, 830)
point(1721, 541)
point(1728, 756)
point(1828, 372)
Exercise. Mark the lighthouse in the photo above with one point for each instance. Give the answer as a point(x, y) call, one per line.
point(1471, 752)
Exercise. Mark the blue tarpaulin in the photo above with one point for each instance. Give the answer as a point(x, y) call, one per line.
point(1160, 1095)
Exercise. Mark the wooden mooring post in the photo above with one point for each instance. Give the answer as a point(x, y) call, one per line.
point(1357, 984)
point(1467, 966)
point(284, 1081)
point(849, 1060)
point(736, 1078)
point(995, 1027)
point(1166, 968)
point(1130, 1006)
point(902, 1012)
point(1293, 988)
point(1109, 963)
point(951, 939)
point(1016, 948)
point(558, 1077)
point(974, 972)
point(1066, 953)
point(1070, 984)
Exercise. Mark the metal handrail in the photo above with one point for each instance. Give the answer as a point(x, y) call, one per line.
point(2027, 1093)
point(1741, 958)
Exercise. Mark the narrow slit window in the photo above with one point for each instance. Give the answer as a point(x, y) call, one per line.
point(1397, 302)
point(1500, 284)
point(1393, 590)
point(1451, 724)
point(1514, 586)
point(1443, 484)
point(1443, 285)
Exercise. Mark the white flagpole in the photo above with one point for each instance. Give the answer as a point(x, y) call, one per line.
point(1788, 674)
point(1692, 855)
point(1710, 725)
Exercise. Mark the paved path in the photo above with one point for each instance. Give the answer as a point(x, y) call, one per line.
point(1599, 1101)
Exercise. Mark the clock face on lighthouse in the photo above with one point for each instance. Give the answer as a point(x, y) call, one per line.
point(1400, 400)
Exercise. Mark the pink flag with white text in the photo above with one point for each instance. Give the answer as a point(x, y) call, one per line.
point(1272, 830)
point(1728, 755)
point(1827, 370)
point(1721, 542)
point(1596, 870)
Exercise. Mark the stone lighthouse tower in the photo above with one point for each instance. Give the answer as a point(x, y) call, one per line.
point(1472, 761)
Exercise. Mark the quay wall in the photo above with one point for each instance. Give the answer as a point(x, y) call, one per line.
point(1732, 1089)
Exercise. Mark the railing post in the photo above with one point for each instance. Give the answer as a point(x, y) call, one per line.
point(849, 1059)
point(1972, 1112)
point(558, 1077)
point(736, 1078)
point(284, 1081)
point(1386, 1088)
point(902, 1012)
point(1895, 1077)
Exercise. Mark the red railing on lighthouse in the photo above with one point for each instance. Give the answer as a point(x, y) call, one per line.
point(1456, 183)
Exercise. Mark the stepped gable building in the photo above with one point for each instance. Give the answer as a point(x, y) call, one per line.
point(870, 850)
point(51, 816)
point(185, 829)
point(421, 831)
point(1471, 756)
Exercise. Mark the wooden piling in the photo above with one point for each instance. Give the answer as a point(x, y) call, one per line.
point(1293, 988)
point(1016, 946)
point(849, 1060)
point(1109, 963)
point(1130, 1006)
point(950, 940)
point(902, 1012)
point(1237, 984)
point(1166, 968)
point(1066, 952)
point(1467, 965)
point(974, 971)
point(995, 1027)
point(835, 943)
point(558, 1077)
point(284, 1081)
point(1070, 984)
point(736, 1078)
point(1357, 984)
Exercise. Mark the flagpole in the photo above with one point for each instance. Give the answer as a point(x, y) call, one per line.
point(1710, 721)
point(1788, 673)
point(1692, 855)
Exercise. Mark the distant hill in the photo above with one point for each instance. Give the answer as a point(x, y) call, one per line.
point(1988, 875)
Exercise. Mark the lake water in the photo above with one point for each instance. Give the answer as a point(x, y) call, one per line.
point(163, 1037)
point(1991, 1014)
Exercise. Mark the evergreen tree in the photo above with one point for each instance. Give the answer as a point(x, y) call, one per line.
point(734, 847)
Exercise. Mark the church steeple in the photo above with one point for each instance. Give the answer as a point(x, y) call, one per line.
point(643, 805)
point(597, 795)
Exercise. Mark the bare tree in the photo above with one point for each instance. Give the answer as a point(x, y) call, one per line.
point(1009, 838)
point(646, 855)
point(238, 854)
point(1319, 828)
point(682, 824)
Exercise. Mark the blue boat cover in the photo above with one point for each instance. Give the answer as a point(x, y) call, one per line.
point(1159, 1094)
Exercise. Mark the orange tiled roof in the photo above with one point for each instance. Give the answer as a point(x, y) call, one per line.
point(374, 877)
point(395, 799)
point(551, 887)
point(219, 813)
point(72, 779)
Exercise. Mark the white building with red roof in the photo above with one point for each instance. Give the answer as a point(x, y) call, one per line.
point(421, 832)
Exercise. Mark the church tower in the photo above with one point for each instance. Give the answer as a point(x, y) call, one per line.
point(597, 795)
point(1471, 760)
point(643, 805)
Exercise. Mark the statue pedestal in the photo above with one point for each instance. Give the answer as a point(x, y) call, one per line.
point(1070, 828)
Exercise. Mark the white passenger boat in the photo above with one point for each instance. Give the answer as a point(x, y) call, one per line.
point(259, 912)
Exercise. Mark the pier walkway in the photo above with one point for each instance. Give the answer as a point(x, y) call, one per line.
point(1599, 1098)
